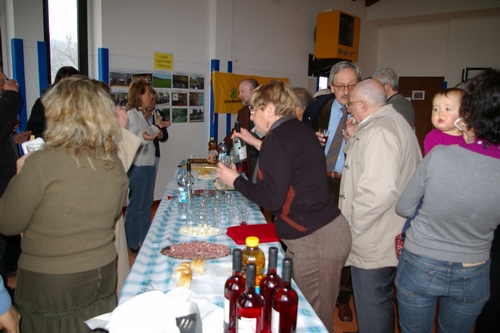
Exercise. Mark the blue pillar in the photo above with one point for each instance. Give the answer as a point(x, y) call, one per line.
point(214, 125)
point(43, 73)
point(103, 64)
point(18, 75)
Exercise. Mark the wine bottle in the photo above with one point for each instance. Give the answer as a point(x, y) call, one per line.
point(249, 306)
point(285, 303)
point(189, 181)
point(239, 151)
point(268, 285)
point(233, 288)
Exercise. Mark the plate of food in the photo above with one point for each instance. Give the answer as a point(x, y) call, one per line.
point(197, 249)
point(218, 185)
point(205, 175)
point(199, 193)
point(200, 231)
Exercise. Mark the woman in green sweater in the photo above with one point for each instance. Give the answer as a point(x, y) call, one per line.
point(64, 201)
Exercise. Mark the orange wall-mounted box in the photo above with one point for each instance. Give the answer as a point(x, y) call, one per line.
point(337, 36)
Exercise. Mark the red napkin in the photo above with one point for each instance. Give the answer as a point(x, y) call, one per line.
point(265, 232)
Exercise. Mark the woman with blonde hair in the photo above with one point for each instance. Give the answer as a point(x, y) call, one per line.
point(65, 200)
point(290, 181)
point(142, 172)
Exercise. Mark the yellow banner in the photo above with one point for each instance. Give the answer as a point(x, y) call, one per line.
point(225, 87)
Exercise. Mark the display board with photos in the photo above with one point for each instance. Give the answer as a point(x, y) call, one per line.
point(180, 96)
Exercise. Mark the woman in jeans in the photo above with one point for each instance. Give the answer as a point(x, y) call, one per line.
point(142, 172)
point(446, 255)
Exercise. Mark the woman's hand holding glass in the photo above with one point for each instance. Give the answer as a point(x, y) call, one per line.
point(227, 175)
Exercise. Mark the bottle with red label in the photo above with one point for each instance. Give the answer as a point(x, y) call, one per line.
point(285, 303)
point(250, 305)
point(234, 286)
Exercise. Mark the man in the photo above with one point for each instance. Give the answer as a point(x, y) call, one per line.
point(328, 112)
point(381, 155)
point(389, 80)
point(10, 101)
point(247, 86)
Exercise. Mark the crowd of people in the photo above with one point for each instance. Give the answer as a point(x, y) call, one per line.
point(339, 229)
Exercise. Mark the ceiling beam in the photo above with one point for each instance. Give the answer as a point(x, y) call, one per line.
point(368, 3)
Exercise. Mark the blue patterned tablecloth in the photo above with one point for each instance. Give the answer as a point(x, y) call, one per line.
point(152, 270)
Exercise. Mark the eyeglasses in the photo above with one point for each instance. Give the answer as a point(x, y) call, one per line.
point(350, 103)
point(253, 109)
point(341, 87)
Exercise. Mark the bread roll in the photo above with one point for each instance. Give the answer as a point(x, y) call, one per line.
point(184, 274)
point(198, 266)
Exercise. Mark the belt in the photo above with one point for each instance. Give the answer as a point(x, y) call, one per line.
point(334, 174)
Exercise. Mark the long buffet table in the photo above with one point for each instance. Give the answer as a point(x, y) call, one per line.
point(154, 271)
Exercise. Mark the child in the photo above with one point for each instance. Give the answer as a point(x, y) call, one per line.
point(445, 107)
point(445, 111)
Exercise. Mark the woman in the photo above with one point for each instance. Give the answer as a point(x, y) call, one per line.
point(142, 172)
point(446, 255)
point(65, 200)
point(37, 122)
point(290, 181)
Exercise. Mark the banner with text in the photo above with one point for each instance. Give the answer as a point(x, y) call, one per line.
point(225, 87)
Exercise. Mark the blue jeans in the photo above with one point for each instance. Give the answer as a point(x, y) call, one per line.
point(420, 282)
point(138, 215)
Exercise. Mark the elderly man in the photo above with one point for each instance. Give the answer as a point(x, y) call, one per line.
point(389, 80)
point(381, 156)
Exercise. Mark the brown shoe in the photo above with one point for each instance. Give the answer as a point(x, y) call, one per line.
point(345, 313)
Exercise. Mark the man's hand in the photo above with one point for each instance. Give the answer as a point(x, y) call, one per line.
point(350, 128)
point(11, 85)
point(321, 138)
point(21, 137)
point(248, 137)
point(9, 321)
point(211, 157)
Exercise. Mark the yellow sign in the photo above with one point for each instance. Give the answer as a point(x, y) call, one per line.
point(164, 61)
point(225, 87)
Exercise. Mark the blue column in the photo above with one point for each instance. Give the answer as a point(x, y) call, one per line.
point(43, 73)
point(214, 125)
point(103, 64)
point(18, 75)
point(228, 116)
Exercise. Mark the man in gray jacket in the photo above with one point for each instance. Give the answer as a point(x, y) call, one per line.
point(389, 80)
point(381, 154)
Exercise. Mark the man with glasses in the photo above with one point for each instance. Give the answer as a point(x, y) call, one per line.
point(329, 112)
point(381, 154)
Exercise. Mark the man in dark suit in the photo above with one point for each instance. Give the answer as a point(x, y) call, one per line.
point(247, 86)
point(329, 112)
point(10, 101)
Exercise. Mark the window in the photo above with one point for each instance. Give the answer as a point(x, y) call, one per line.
point(65, 24)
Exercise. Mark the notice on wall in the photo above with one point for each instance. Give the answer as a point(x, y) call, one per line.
point(164, 61)
point(180, 97)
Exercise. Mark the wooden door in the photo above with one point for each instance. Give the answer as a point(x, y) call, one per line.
point(421, 87)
